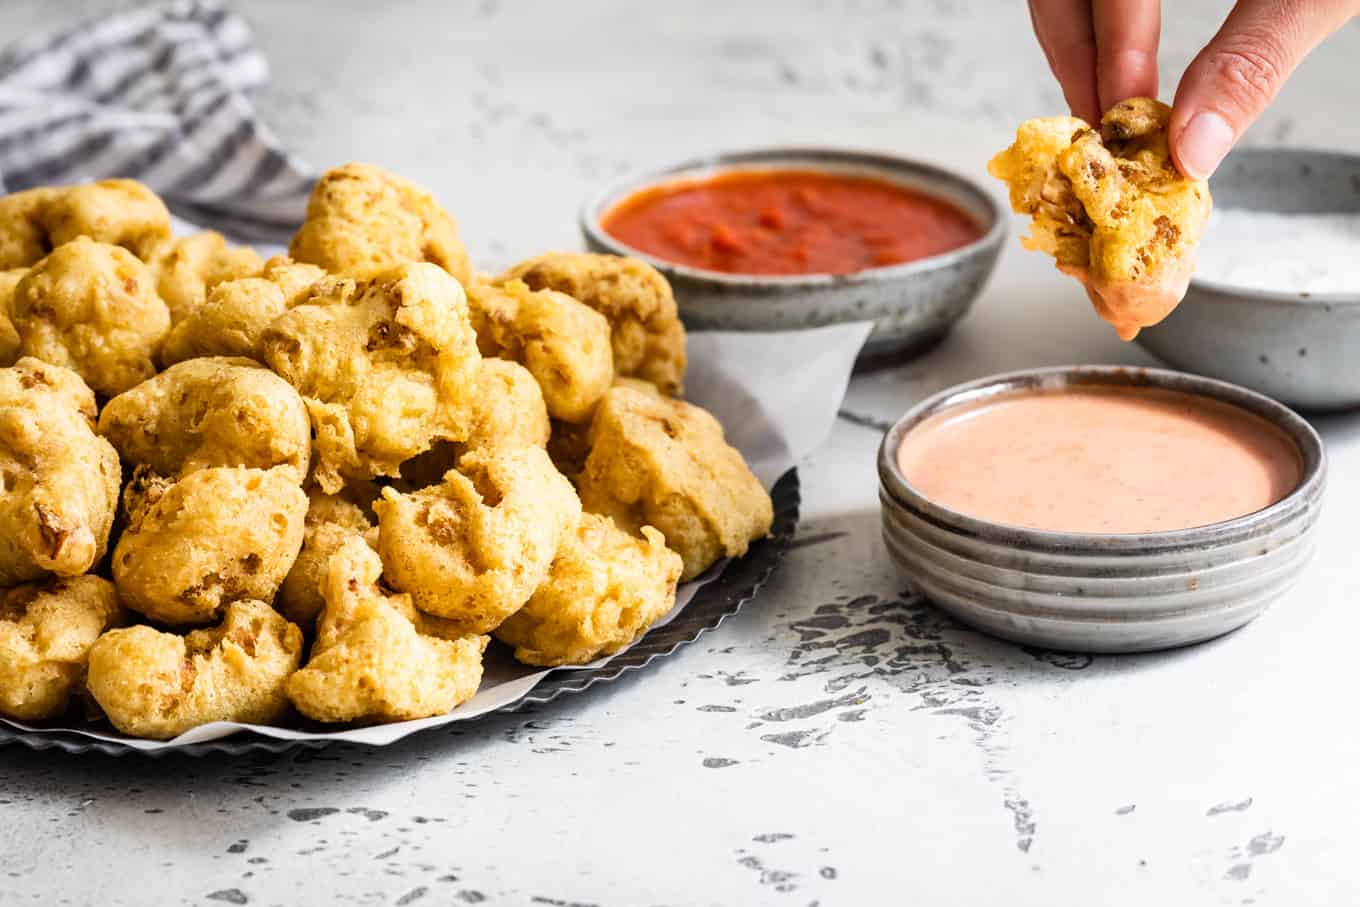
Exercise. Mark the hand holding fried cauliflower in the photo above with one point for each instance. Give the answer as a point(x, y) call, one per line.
point(1110, 207)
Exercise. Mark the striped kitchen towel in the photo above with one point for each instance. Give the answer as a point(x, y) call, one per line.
point(159, 94)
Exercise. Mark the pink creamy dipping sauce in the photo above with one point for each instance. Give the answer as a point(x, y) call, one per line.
point(1100, 460)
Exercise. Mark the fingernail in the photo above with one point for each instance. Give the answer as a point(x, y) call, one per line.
point(1204, 143)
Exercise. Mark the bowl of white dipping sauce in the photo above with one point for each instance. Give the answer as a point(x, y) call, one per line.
point(1275, 301)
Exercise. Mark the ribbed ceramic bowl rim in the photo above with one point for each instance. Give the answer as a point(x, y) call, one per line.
point(896, 488)
point(1279, 297)
point(806, 158)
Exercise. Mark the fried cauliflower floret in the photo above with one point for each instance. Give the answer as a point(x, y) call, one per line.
point(118, 212)
point(24, 235)
point(46, 632)
point(332, 520)
point(604, 590)
point(188, 268)
point(646, 334)
point(507, 410)
point(386, 368)
point(230, 321)
point(563, 344)
point(92, 308)
point(1110, 207)
point(371, 661)
point(362, 220)
point(211, 412)
point(215, 536)
point(569, 444)
point(660, 462)
point(60, 479)
point(474, 548)
point(9, 335)
point(159, 685)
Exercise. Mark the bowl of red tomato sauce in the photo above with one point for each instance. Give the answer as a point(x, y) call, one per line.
point(786, 239)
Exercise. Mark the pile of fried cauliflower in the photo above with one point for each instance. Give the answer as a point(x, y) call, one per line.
point(237, 489)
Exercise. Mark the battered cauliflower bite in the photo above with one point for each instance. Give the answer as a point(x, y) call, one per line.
point(211, 412)
point(474, 548)
point(218, 535)
point(362, 220)
point(92, 308)
point(605, 588)
point(386, 368)
point(118, 212)
point(9, 336)
point(60, 479)
point(187, 269)
point(46, 632)
point(1110, 207)
point(159, 685)
point(646, 334)
point(373, 659)
point(235, 313)
point(507, 410)
point(664, 463)
point(564, 344)
point(332, 520)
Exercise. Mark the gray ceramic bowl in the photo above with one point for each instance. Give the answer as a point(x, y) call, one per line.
point(912, 305)
point(1101, 592)
point(1296, 347)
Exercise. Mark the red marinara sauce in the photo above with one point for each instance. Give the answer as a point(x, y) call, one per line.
point(788, 222)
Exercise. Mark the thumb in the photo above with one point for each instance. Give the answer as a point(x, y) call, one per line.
point(1232, 81)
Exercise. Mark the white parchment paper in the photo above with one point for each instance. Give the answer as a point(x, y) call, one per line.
point(776, 396)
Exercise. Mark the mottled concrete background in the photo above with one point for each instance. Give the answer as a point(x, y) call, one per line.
point(838, 743)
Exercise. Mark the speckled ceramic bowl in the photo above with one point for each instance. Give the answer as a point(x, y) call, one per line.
point(1094, 592)
point(912, 305)
point(1296, 347)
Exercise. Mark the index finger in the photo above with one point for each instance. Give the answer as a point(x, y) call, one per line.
point(1127, 33)
point(1066, 33)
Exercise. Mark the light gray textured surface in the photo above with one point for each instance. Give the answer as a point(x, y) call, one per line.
point(834, 744)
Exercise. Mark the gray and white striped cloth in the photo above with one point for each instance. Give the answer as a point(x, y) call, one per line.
point(159, 94)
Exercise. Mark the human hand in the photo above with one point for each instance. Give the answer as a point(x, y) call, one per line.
point(1103, 51)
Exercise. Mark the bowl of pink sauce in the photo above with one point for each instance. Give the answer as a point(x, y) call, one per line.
point(1101, 508)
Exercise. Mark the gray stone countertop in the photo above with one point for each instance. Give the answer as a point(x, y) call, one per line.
point(839, 742)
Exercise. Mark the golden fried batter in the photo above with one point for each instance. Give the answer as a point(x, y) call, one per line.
point(215, 536)
point(332, 519)
point(506, 410)
point(61, 480)
point(211, 412)
point(118, 212)
point(92, 308)
point(46, 632)
point(604, 590)
point(386, 368)
point(563, 344)
point(159, 685)
point(235, 313)
point(188, 269)
point(569, 444)
point(647, 336)
point(362, 220)
point(371, 661)
point(9, 336)
point(1110, 207)
point(474, 548)
point(664, 463)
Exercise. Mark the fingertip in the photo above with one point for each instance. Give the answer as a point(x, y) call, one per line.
point(1199, 143)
